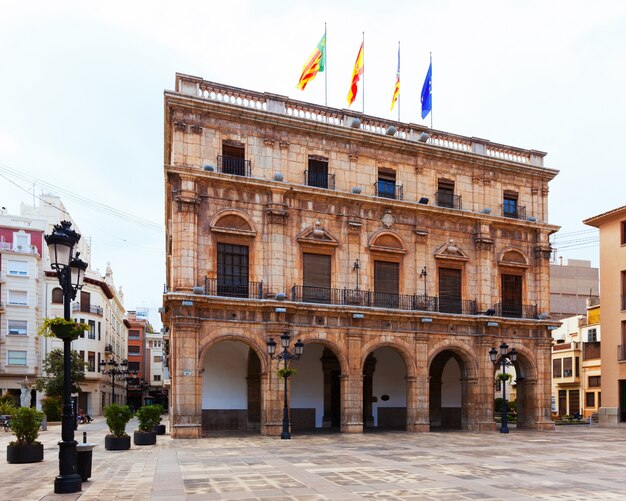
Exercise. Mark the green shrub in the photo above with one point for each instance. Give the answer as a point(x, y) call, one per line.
point(149, 416)
point(51, 407)
point(25, 423)
point(9, 400)
point(7, 407)
point(117, 417)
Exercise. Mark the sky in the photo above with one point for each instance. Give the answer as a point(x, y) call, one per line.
point(81, 97)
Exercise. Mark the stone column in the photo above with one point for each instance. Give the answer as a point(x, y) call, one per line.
point(421, 387)
point(540, 397)
point(481, 392)
point(484, 279)
point(185, 236)
point(186, 391)
point(272, 387)
point(277, 261)
point(352, 388)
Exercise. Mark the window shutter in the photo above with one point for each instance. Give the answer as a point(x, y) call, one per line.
point(316, 270)
point(386, 277)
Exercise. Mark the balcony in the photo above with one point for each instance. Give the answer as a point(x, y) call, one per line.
point(234, 165)
point(447, 199)
point(355, 297)
point(591, 350)
point(218, 287)
point(319, 180)
point(388, 190)
point(513, 211)
point(511, 310)
point(21, 249)
point(108, 348)
point(621, 353)
point(94, 310)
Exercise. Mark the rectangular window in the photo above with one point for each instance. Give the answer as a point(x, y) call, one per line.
point(623, 228)
point(577, 366)
point(134, 351)
point(16, 357)
point(623, 302)
point(157, 359)
point(133, 366)
point(567, 367)
point(85, 302)
point(81, 353)
point(92, 329)
point(133, 334)
point(316, 270)
point(562, 402)
point(99, 359)
point(450, 290)
point(590, 399)
point(556, 367)
point(18, 298)
point(386, 284)
point(511, 296)
point(21, 241)
point(99, 331)
point(386, 185)
point(445, 193)
point(317, 173)
point(18, 268)
point(594, 381)
point(592, 335)
point(509, 205)
point(233, 159)
point(18, 327)
point(157, 377)
point(232, 270)
point(91, 361)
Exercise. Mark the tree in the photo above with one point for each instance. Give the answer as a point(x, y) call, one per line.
point(52, 384)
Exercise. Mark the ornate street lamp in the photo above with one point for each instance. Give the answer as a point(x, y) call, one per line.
point(285, 356)
point(115, 370)
point(507, 359)
point(70, 271)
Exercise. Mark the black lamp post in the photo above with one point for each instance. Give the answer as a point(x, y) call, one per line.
point(115, 370)
point(506, 360)
point(70, 271)
point(285, 356)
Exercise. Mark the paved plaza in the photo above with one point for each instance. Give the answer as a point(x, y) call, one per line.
point(573, 462)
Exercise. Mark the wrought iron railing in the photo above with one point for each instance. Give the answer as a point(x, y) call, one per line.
point(319, 179)
point(510, 310)
point(591, 350)
point(447, 199)
point(226, 288)
point(387, 190)
point(234, 165)
point(96, 310)
point(518, 212)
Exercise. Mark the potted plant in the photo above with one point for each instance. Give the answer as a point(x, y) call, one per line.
point(287, 372)
point(159, 428)
point(25, 423)
point(503, 376)
point(148, 416)
point(62, 329)
point(117, 417)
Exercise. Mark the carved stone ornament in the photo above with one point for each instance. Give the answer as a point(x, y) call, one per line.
point(483, 241)
point(354, 226)
point(451, 250)
point(268, 141)
point(185, 203)
point(317, 235)
point(180, 125)
point(233, 223)
point(387, 241)
point(421, 234)
point(196, 129)
point(387, 219)
point(276, 213)
point(543, 251)
point(283, 145)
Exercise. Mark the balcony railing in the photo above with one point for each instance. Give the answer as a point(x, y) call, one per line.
point(234, 165)
point(220, 287)
point(509, 310)
point(621, 353)
point(518, 212)
point(450, 200)
point(355, 297)
point(319, 180)
point(386, 190)
point(108, 348)
point(591, 350)
point(22, 249)
point(95, 310)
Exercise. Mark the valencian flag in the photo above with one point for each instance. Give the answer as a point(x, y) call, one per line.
point(357, 72)
point(396, 91)
point(315, 63)
point(427, 91)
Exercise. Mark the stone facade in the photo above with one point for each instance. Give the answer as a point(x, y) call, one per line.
point(271, 208)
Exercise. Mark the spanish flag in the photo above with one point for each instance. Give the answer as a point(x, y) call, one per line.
point(356, 75)
point(315, 63)
point(396, 91)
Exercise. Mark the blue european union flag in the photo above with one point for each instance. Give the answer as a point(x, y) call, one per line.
point(427, 92)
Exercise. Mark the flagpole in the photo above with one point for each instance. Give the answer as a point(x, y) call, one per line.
point(431, 91)
point(363, 42)
point(399, 97)
point(325, 67)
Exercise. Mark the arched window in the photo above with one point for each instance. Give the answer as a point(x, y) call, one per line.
point(57, 295)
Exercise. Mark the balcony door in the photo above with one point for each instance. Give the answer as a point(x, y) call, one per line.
point(316, 278)
point(85, 301)
point(450, 290)
point(386, 284)
point(232, 270)
point(317, 174)
point(512, 296)
point(233, 158)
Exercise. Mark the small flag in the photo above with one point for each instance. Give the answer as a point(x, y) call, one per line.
point(356, 75)
point(396, 91)
point(427, 92)
point(315, 63)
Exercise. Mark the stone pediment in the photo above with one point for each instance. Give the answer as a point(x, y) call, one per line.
point(513, 257)
point(233, 222)
point(451, 250)
point(317, 235)
point(387, 241)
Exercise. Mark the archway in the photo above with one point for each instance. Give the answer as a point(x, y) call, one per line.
point(231, 388)
point(384, 390)
point(447, 393)
point(316, 390)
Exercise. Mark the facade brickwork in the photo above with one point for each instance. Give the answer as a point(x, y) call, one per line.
point(279, 216)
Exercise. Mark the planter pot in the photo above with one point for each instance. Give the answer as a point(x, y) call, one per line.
point(112, 443)
point(65, 332)
point(144, 438)
point(25, 453)
point(159, 429)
